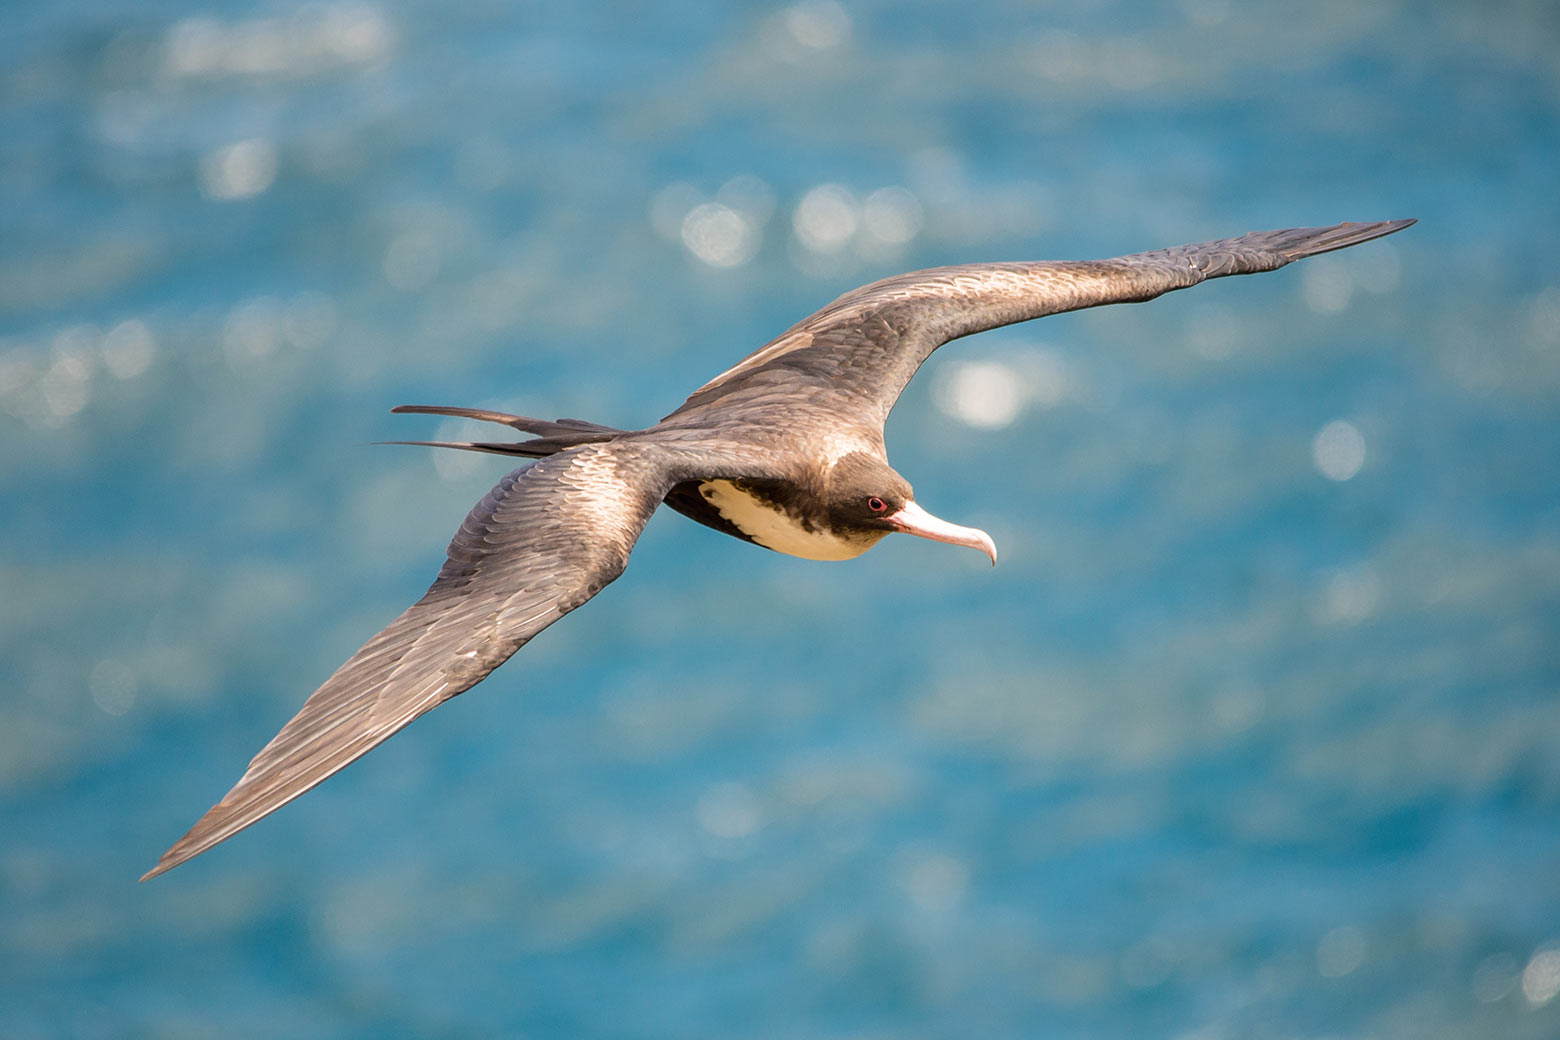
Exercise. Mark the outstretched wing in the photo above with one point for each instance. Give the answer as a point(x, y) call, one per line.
point(860, 351)
point(543, 541)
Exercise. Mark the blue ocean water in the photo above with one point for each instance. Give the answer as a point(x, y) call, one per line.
point(1254, 732)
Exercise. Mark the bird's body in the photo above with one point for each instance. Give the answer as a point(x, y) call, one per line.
point(785, 450)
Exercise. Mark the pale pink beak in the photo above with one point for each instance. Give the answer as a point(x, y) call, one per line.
point(912, 519)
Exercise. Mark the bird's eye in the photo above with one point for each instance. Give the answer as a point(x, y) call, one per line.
point(877, 505)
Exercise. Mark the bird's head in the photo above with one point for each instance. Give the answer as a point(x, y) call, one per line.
point(866, 497)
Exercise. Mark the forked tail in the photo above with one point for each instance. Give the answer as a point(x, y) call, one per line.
point(551, 437)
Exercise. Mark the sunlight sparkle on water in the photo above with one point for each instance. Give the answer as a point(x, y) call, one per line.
point(1541, 977)
point(1327, 284)
point(719, 235)
point(1351, 595)
point(985, 394)
point(1340, 952)
point(238, 171)
point(252, 330)
point(113, 687)
point(66, 386)
point(892, 215)
point(306, 42)
point(1274, 611)
point(1338, 450)
point(309, 319)
point(826, 219)
point(807, 28)
point(729, 811)
point(1060, 55)
point(128, 349)
point(935, 882)
point(413, 259)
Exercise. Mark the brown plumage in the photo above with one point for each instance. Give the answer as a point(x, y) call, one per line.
point(784, 449)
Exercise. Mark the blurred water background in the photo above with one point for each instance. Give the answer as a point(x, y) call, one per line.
point(1253, 733)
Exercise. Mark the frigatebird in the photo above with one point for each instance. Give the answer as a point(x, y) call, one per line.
point(784, 449)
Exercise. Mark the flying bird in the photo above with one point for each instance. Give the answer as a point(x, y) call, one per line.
point(784, 450)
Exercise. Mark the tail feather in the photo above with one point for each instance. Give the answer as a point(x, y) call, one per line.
point(523, 423)
point(521, 448)
point(551, 437)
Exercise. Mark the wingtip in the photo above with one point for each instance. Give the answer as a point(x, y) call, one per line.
point(1356, 232)
point(1384, 225)
point(1298, 243)
point(1388, 227)
point(182, 851)
point(162, 867)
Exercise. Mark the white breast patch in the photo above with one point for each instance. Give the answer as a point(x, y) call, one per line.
point(776, 529)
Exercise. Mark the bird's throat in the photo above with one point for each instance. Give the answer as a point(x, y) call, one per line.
point(774, 526)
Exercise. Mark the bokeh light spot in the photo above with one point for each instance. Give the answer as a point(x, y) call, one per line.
point(238, 171)
point(984, 394)
point(826, 219)
point(1326, 284)
point(1349, 596)
point(252, 330)
point(303, 42)
point(818, 24)
point(936, 883)
point(1541, 977)
point(729, 811)
point(113, 687)
point(413, 259)
point(128, 349)
point(66, 385)
point(1340, 952)
point(310, 319)
point(1338, 450)
point(892, 215)
point(719, 236)
point(1060, 56)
